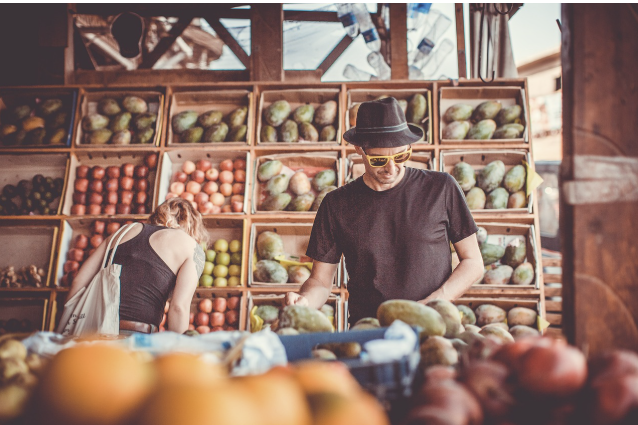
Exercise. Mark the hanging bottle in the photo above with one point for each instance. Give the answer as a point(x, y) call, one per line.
point(351, 72)
point(435, 31)
point(377, 62)
point(417, 14)
point(366, 27)
point(347, 18)
point(436, 58)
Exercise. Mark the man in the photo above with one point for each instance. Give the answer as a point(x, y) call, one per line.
point(393, 224)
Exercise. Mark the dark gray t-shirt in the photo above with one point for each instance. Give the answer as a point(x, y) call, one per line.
point(395, 242)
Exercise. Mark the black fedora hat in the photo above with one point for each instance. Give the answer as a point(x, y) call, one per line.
point(382, 124)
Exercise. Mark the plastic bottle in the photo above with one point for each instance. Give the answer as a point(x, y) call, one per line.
point(435, 31)
point(436, 58)
point(377, 62)
point(347, 18)
point(366, 27)
point(351, 72)
point(417, 14)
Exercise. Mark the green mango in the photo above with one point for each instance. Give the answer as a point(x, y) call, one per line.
point(323, 354)
point(486, 314)
point(299, 183)
point(469, 336)
point(501, 275)
point(464, 175)
point(278, 184)
point(328, 134)
point(475, 199)
point(269, 245)
point(456, 130)
point(135, 105)
point(326, 113)
point(192, 135)
point(308, 132)
point(519, 332)
point(437, 350)
point(523, 274)
point(304, 319)
point(509, 131)
point(482, 130)
point(352, 114)
point(269, 271)
point(486, 110)
point(93, 122)
point(183, 121)
point(521, 316)
point(210, 118)
point(7, 129)
point(301, 203)
point(490, 177)
point(403, 104)
point(323, 179)
point(58, 137)
point(269, 169)
point(143, 136)
point(289, 132)
point(237, 134)
point(515, 254)
point(497, 199)
point(413, 314)
point(100, 137)
point(508, 114)
point(121, 138)
point(144, 121)
point(298, 274)
point(458, 112)
point(276, 202)
point(497, 333)
point(108, 107)
point(216, 133)
point(320, 196)
point(304, 113)
point(515, 179)
point(50, 107)
point(268, 134)
point(268, 313)
point(120, 122)
point(57, 120)
point(237, 117)
point(277, 112)
point(450, 315)
point(469, 318)
point(20, 112)
point(491, 253)
point(517, 200)
point(367, 323)
point(35, 137)
point(481, 235)
point(417, 107)
point(15, 139)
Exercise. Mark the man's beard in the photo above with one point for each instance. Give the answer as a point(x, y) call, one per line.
point(384, 178)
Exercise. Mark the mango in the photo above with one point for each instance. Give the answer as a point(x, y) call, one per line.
point(299, 183)
point(328, 310)
point(498, 325)
point(497, 333)
point(304, 113)
point(323, 179)
point(192, 135)
point(183, 121)
point(469, 318)
point(437, 350)
point(450, 315)
point(459, 345)
point(488, 313)
point(475, 199)
point(521, 316)
point(412, 313)
point(308, 132)
point(490, 177)
point(487, 111)
point(32, 123)
point(277, 184)
point(298, 274)
point(289, 132)
point(323, 354)
point(352, 114)
point(135, 105)
point(326, 113)
point(269, 169)
point(482, 130)
point(277, 112)
point(469, 336)
point(464, 175)
point(268, 313)
point(328, 134)
point(347, 350)
point(50, 107)
point(237, 117)
point(515, 253)
point(108, 106)
point(287, 331)
point(417, 107)
point(481, 235)
point(501, 275)
point(519, 332)
point(508, 114)
point(93, 122)
point(144, 121)
point(100, 137)
point(320, 196)
point(515, 178)
point(121, 138)
point(269, 271)
point(456, 130)
point(20, 112)
point(57, 120)
point(517, 200)
point(7, 129)
point(15, 139)
point(523, 274)
point(237, 134)
point(497, 199)
point(491, 253)
point(304, 319)
point(144, 136)
point(509, 131)
point(216, 133)
point(120, 122)
point(301, 203)
point(35, 137)
point(276, 202)
point(269, 245)
point(458, 112)
point(58, 137)
point(472, 328)
point(268, 134)
point(210, 118)
point(370, 321)
point(403, 104)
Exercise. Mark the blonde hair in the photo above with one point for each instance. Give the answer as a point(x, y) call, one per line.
point(178, 213)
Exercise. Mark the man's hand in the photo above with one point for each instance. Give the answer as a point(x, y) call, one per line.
point(295, 299)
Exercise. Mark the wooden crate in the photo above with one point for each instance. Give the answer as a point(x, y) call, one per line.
point(203, 293)
point(506, 304)
point(418, 160)
point(25, 244)
point(229, 229)
point(27, 310)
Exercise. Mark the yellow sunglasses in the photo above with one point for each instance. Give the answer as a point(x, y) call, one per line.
point(382, 160)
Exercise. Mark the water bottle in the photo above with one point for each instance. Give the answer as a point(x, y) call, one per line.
point(435, 31)
point(366, 27)
point(351, 72)
point(347, 18)
point(377, 62)
point(436, 58)
point(417, 14)
point(415, 73)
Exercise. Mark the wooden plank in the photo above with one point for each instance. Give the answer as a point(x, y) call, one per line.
point(554, 319)
point(341, 47)
point(267, 42)
point(230, 41)
point(310, 16)
point(69, 50)
point(553, 332)
point(151, 77)
point(554, 306)
point(553, 278)
point(553, 291)
point(460, 40)
point(552, 262)
point(398, 41)
point(165, 43)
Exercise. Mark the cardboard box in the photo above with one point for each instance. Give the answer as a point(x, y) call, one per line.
point(88, 105)
point(10, 98)
point(365, 95)
point(506, 304)
point(479, 159)
point(225, 101)
point(105, 159)
point(309, 163)
point(296, 98)
point(203, 293)
point(25, 166)
point(229, 230)
point(23, 309)
point(355, 167)
point(474, 96)
point(173, 160)
point(24, 245)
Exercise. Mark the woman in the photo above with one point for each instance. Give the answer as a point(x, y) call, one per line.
point(158, 258)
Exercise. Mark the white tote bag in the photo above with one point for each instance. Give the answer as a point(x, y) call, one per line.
point(95, 309)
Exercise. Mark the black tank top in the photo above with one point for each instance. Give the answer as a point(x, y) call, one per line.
point(145, 281)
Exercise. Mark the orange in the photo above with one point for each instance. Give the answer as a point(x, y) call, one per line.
point(187, 369)
point(326, 377)
point(335, 409)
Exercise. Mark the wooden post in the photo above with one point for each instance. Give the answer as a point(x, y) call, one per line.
point(460, 40)
point(398, 41)
point(598, 201)
point(266, 38)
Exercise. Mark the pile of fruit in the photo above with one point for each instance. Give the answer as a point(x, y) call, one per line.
point(415, 109)
point(35, 122)
point(27, 276)
point(489, 120)
point(211, 126)
point(217, 314)
point(84, 246)
point(14, 325)
point(41, 195)
point(292, 319)
point(279, 126)
point(273, 265)
point(491, 187)
point(114, 190)
point(120, 122)
point(281, 188)
point(505, 265)
point(223, 265)
point(211, 190)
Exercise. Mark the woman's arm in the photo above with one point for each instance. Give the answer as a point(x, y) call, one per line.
point(187, 280)
point(89, 269)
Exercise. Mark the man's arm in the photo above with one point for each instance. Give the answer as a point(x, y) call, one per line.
point(469, 270)
point(316, 290)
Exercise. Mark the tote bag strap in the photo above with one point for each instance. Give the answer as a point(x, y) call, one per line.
point(119, 235)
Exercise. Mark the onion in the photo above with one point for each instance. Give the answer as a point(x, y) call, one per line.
point(611, 400)
point(612, 365)
point(487, 380)
point(454, 398)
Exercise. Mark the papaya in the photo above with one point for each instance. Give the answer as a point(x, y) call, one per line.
point(509, 131)
point(515, 253)
point(304, 319)
point(320, 196)
point(517, 200)
point(298, 274)
point(403, 104)
point(100, 137)
point(210, 118)
point(519, 332)
point(237, 117)
point(286, 331)
point(456, 130)
point(269, 245)
point(120, 122)
point(501, 325)
point(475, 199)
point(515, 178)
point(482, 130)
point(35, 137)
point(237, 134)
point(497, 199)
point(326, 113)
point(301, 203)
point(437, 350)
point(216, 133)
point(328, 134)
point(469, 318)
point(121, 138)
point(135, 105)
point(412, 313)
point(491, 176)
point(308, 132)
point(277, 202)
point(277, 112)
point(464, 175)
point(323, 179)
point(348, 350)
point(299, 183)
point(450, 315)
point(269, 271)
point(523, 274)
point(469, 336)
point(486, 110)
point(108, 106)
point(183, 121)
point(521, 316)
point(370, 321)
point(304, 113)
point(289, 132)
point(144, 121)
point(192, 135)
point(144, 136)
point(57, 120)
point(488, 313)
point(508, 114)
point(268, 170)
point(268, 134)
point(501, 275)
point(491, 253)
point(93, 122)
point(497, 333)
point(417, 108)
point(458, 112)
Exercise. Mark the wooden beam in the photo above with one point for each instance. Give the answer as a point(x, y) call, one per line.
point(460, 40)
point(69, 51)
point(310, 16)
point(345, 42)
point(399, 41)
point(230, 41)
point(161, 9)
point(157, 77)
point(165, 43)
point(266, 37)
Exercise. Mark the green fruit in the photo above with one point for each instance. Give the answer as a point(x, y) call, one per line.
point(234, 246)
point(192, 135)
point(299, 183)
point(491, 253)
point(352, 114)
point(517, 200)
point(237, 117)
point(475, 199)
point(20, 112)
point(326, 113)
point(464, 175)
point(515, 253)
point(277, 184)
point(144, 121)
point(268, 134)
point(486, 110)
point(509, 131)
point(135, 105)
point(301, 203)
point(373, 322)
point(183, 121)
point(276, 202)
point(221, 245)
point(412, 313)
point(328, 310)
point(458, 112)
point(277, 112)
point(206, 281)
point(233, 270)
point(120, 122)
point(220, 270)
point(269, 245)
point(15, 139)
point(268, 271)
point(417, 107)
point(237, 134)
point(501, 275)
point(347, 350)
point(515, 178)
point(470, 336)
point(121, 138)
point(481, 235)
point(472, 328)
point(523, 275)
point(499, 334)
point(456, 130)
point(289, 132)
point(521, 316)
point(450, 315)
point(220, 282)
point(482, 130)
point(208, 268)
point(497, 199)
point(469, 318)
point(298, 274)
point(234, 281)
point(35, 137)
point(144, 136)
point(304, 319)
point(100, 137)
point(437, 350)
point(287, 331)
point(490, 177)
point(519, 332)
point(308, 132)
point(108, 107)
point(235, 258)
point(268, 313)
point(323, 179)
point(304, 113)
point(210, 118)
point(487, 314)
point(268, 170)
point(50, 107)
point(57, 120)
point(403, 104)
point(58, 137)
point(93, 122)
point(216, 133)
point(319, 198)
point(7, 129)
point(508, 115)
point(328, 134)
point(223, 258)
point(210, 255)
